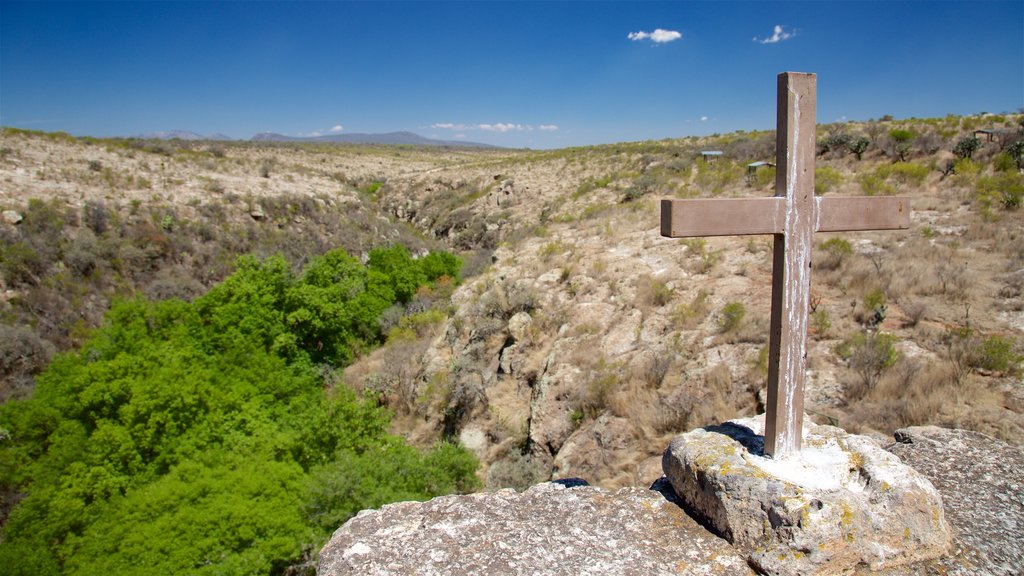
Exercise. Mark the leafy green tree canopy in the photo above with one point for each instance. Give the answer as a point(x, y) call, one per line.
point(197, 438)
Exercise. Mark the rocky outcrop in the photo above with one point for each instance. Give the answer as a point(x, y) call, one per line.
point(568, 527)
point(840, 502)
point(558, 528)
point(982, 483)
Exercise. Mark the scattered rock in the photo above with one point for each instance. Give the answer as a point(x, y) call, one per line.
point(257, 213)
point(11, 216)
point(559, 528)
point(518, 326)
point(474, 439)
point(839, 502)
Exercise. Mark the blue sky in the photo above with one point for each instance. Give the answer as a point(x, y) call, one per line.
point(540, 75)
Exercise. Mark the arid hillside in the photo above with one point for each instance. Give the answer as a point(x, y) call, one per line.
point(579, 340)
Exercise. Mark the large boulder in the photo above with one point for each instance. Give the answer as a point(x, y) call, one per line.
point(570, 528)
point(982, 484)
point(564, 528)
point(840, 502)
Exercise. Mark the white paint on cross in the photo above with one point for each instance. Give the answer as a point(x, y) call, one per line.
point(793, 215)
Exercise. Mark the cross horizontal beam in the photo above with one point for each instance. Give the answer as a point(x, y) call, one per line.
point(745, 216)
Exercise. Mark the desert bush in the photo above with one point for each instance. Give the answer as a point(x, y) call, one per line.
point(826, 179)
point(516, 470)
point(653, 292)
point(21, 264)
point(590, 184)
point(967, 351)
point(868, 354)
point(642, 186)
point(23, 354)
point(96, 216)
point(872, 184)
point(996, 354)
point(903, 172)
point(731, 316)
point(1003, 190)
point(689, 316)
point(929, 143)
point(1003, 163)
point(82, 255)
point(915, 311)
point(835, 250)
point(900, 142)
point(764, 177)
point(715, 176)
point(966, 167)
point(821, 322)
point(966, 147)
point(1016, 151)
point(593, 397)
point(266, 166)
point(837, 143)
point(859, 146)
point(44, 220)
point(655, 368)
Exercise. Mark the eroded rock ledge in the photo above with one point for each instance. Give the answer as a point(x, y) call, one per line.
point(569, 528)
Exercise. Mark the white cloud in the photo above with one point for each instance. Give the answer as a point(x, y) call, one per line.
point(779, 34)
point(337, 128)
point(500, 127)
point(703, 118)
point(504, 127)
point(659, 36)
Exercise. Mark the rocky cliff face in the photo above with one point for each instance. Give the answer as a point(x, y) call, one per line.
point(567, 527)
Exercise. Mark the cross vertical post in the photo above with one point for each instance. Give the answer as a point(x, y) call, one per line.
point(796, 139)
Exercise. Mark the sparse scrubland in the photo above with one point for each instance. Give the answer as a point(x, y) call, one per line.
point(239, 325)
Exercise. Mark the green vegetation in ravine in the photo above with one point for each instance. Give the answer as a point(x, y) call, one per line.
point(201, 437)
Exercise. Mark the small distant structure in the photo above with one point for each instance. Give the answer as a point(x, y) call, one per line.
point(753, 167)
point(987, 135)
point(710, 155)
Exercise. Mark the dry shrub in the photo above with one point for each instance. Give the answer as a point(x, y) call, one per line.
point(654, 368)
point(651, 292)
point(689, 316)
point(718, 403)
point(915, 311)
point(752, 330)
point(862, 276)
point(637, 402)
point(913, 396)
point(916, 277)
point(516, 470)
point(23, 354)
point(954, 281)
point(594, 397)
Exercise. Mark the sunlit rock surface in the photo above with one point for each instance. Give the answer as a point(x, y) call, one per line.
point(547, 530)
point(840, 502)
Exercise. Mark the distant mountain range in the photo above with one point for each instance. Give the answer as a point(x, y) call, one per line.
point(407, 138)
point(392, 138)
point(182, 135)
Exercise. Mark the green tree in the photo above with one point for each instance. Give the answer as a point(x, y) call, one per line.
point(188, 438)
point(901, 142)
point(404, 274)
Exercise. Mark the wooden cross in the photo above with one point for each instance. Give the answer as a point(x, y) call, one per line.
point(793, 215)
